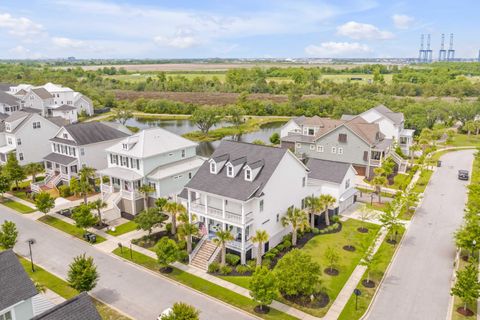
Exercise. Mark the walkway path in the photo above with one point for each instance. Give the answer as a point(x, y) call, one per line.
point(417, 285)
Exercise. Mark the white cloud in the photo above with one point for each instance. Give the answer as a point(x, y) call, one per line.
point(402, 21)
point(19, 27)
point(337, 49)
point(183, 39)
point(21, 52)
point(358, 31)
point(68, 43)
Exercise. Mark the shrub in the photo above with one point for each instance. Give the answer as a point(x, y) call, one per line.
point(252, 264)
point(213, 267)
point(168, 227)
point(64, 191)
point(242, 269)
point(181, 245)
point(287, 237)
point(269, 255)
point(225, 270)
point(287, 244)
point(280, 247)
point(335, 218)
point(316, 231)
point(183, 256)
point(232, 259)
point(274, 251)
point(266, 262)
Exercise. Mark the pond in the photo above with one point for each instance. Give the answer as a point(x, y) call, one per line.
point(206, 148)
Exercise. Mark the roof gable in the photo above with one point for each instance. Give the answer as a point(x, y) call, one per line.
point(330, 171)
point(80, 307)
point(84, 133)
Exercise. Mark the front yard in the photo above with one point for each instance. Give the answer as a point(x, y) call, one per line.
point(422, 181)
point(67, 227)
point(123, 228)
point(317, 247)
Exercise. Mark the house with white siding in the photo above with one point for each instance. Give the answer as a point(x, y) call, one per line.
point(156, 157)
point(9, 103)
point(242, 188)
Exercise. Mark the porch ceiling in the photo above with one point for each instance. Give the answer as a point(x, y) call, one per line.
point(6, 148)
point(121, 173)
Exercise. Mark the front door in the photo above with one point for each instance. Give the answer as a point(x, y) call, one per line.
point(266, 247)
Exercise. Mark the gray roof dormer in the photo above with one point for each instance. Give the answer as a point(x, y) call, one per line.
point(253, 169)
point(217, 163)
point(235, 166)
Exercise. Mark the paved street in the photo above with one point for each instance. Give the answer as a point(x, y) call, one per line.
point(418, 284)
point(131, 289)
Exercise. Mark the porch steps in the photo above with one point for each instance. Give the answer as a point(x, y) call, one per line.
point(402, 163)
point(203, 255)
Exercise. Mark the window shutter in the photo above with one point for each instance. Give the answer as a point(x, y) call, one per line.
point(342, 137)
point(365, 155)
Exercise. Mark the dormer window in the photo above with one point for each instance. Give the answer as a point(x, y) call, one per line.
point(248, 174)
point(65, 136)
point(230, 172)
point(213, 167)
point(125, 146)
point(7, 127)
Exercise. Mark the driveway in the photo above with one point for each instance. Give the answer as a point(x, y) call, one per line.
point(131, 289)
point(418, 284)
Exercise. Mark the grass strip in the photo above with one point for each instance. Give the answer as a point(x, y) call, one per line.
point(123, 228)
point(17, 206)
point(67, 227)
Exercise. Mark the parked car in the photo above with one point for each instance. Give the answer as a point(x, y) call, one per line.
point(463, 174)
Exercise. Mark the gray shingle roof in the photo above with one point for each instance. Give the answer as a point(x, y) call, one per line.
point(237, 187)
point(92, 132)
point(9, 99)
point(58, 121)
point(15, 285)
point(59, 158)
point(42, 93)
point(16, 116)
point(65, 108)
point(80, 307)
point(396, 117)
point(331, 171)
point(5, 86)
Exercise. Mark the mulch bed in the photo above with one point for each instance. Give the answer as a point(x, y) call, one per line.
point(391, 241)
point(100, 226)
point(166, 270)
point(149, 241)
point(368, 284)
point(465, 313)
point(362, 230)
point(261, 310)
point(320, 300)
point(331, 272)
point(349, 248)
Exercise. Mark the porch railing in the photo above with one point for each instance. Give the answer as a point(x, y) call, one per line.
point(131, 195)
point(197, 248)
point(218, 213)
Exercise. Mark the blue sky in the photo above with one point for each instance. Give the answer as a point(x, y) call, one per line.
point(233, 28)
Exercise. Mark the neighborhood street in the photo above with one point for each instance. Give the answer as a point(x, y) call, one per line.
point(418, 283)
point(135, 291)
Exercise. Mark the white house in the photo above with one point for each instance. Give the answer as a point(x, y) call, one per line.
point(391, 125)
point(155, 157)
point(334, 178)
point(242, 188)
point(74, 146)
point(27, 135)
point(9, 103)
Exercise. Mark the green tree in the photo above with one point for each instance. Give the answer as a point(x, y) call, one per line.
point(84, 185)
point(82, 273)
point(44, 202)
point(182, 311)
point(13, 170)
point(174, 209)
point(83, 217)
point(365, 213)
point(98, 205)
point(326, 201)
point(391, 222)
point(148, 219)
point(297, 219)
point(275, 138)
point(312, 206)
point(236, 114)
point(332, 256)
point(167, 252)
point(5, 184)
point(297, 274)
point(32, 169)
point(205, 118)
point(260, 237)
point(145, 190)
point(187, 230)
point(122, 114)
point(75, 185)
point(467, 286)
point(222, 237)
point(263, 286)
point(378, 181)
point(370, 261)
point(160, 203)
point(469, 126)
point(468, 233)
point(8, 234)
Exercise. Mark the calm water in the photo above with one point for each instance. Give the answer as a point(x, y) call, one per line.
point(206, 148)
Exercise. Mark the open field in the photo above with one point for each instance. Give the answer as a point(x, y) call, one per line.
point(138, 77)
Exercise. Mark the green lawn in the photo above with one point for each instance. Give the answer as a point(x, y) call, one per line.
point(202, 285)
point(62, 288)
point(384, 254)
point(123, 228)
point(20, 207)
point(458, 303)
point(401, 181)
point(347, 263)
point(422, 181)
point(463, 140)
point(66, 227)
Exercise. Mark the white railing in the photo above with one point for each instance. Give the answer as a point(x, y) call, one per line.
point(238, 244)
point(131, 195)
point(218, 213)
point(106, 188)
point(214, 255)
point(375, 162)
point(197, 248)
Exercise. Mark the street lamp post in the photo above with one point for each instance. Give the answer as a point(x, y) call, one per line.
point(474, 243)
point(30, 243)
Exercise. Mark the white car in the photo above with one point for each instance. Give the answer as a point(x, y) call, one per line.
point(165, 312)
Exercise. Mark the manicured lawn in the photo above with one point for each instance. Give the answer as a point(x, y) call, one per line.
point(347, 263)
point(422, 181)
point(62, 288)
point(463, 140)
point(202, 285)
point(123, 228)
point(458, 303)
point(401, 181)
point(22, 195)
point(20, 207)
point(66, 227)
point(384, 254)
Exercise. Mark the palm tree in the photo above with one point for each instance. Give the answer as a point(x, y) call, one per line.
point(222, 238)
point(326, 202)
point(314, 206)
point(413, 148)
point(85, 174)
point(297, 219)
point(187, 230)
point(174, 209)
point(32, 169)
point(145, 190)
point(260, 237)
point(98, 205)
point(379, 181)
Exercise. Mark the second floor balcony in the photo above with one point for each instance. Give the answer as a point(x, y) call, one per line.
point(220, 210)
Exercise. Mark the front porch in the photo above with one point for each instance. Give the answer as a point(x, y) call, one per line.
point(61, 166)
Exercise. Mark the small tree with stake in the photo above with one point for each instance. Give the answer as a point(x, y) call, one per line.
point(332, 257)
point(148, 219)
point(44, 202)
point(167, 252)
point(8, 234)
point(83, 217)
point(467, 287)
point(13, 170)
point(82, 273)
point(263, 287)
point(4, 185)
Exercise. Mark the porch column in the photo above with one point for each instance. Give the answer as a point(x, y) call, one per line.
point(243, 255)
point(206, 204)
point(223, 209)
point(188, 206)
point(243, 213)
